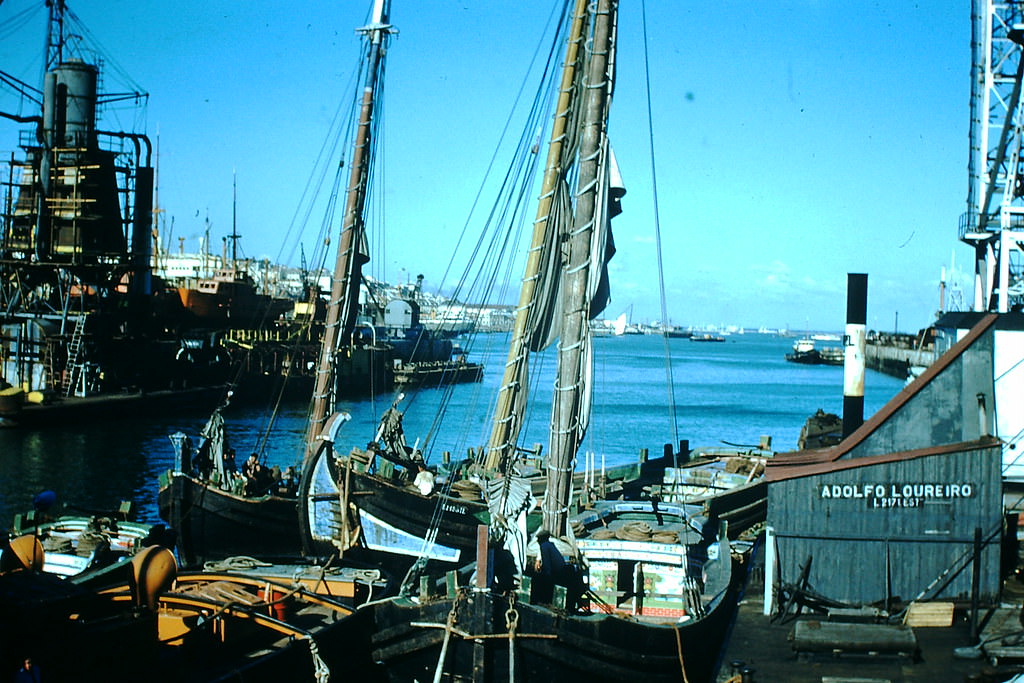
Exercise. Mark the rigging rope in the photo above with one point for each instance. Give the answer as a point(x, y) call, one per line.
point(657, 235)
point(448, 627)
point(234, 563)
point(14, 25)
point(339, 134)
point(492, 256)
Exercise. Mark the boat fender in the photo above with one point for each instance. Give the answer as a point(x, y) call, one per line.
point(153, 571)
point(24, 552)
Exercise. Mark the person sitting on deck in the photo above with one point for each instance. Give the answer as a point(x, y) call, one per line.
point(255, 477)
point(424, 480)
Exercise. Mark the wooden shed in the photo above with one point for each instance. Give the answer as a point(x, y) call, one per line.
point(894, 509)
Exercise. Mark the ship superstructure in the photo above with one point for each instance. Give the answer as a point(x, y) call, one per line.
point(78, 314)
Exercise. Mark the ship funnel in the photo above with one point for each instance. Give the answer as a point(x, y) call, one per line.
point(69, 106)
point(854, 343)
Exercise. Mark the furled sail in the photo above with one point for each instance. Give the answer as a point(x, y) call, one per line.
point(547, 314)
point(584, 289)
point(545, 257)
point(509, 500)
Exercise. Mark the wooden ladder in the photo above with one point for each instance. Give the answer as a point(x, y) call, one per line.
point(73, 370)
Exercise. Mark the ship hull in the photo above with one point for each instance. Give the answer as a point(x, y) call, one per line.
point(547, 645)
point(212, 524)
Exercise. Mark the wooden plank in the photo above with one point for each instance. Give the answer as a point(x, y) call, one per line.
point(825, 636)
point(929, 614)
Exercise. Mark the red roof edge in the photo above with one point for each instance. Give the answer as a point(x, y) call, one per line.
point(812, 468)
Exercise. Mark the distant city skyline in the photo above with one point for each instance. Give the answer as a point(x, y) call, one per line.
point(794, 143)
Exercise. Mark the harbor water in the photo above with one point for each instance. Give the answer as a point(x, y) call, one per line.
point(734, 391)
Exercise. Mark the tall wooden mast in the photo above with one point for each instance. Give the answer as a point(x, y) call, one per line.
point(508, 412)
point(344, 301)
point(571, 399)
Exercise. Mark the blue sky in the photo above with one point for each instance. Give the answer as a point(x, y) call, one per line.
point(796, 141)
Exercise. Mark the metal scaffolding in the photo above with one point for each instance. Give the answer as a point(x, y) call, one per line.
point(994, 221)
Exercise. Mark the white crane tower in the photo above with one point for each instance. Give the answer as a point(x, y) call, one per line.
point(994, 221)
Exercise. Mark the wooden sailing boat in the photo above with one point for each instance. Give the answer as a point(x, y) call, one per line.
point(216, 511)
point(661, 588)
point(369, 497)
point(216, 518)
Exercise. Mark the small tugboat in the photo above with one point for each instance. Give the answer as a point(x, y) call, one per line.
point(421, 356)
point(805, 351)
point(707, 337)
point(230, 298)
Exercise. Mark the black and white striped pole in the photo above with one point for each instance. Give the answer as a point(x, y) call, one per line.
point(854, 344)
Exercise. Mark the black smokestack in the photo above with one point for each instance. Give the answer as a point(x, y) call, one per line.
point(854, 341)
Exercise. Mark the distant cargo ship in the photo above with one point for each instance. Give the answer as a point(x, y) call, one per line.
point(229, 298)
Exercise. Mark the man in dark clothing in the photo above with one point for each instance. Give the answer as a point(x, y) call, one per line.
point(549, 569)
point(230, 467)
point(28, 673)
point(501, 565)
point(550, 562)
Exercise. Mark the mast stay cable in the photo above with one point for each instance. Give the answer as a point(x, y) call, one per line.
point(657, 236)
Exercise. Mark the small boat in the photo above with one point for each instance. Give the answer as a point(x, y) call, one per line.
point(175, 626)
point(807, 352)
point(88, 549)
point(728, 483)
point(437, 373)
point(218, 512)
point(821, 430)
point(222, 625)
point(707, 337)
